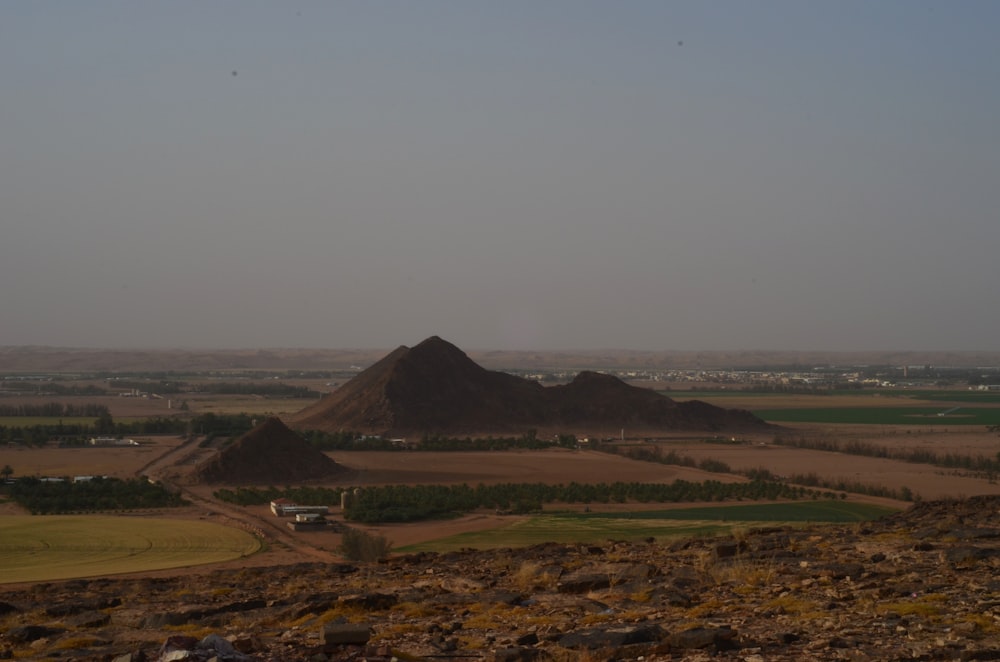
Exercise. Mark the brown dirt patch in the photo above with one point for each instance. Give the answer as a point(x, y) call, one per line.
point(547, 466)
point(928, 481)
point(116, 461)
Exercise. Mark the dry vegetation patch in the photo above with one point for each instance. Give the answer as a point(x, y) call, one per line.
point(44, 548)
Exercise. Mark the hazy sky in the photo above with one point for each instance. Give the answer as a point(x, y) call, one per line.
point(507, 175)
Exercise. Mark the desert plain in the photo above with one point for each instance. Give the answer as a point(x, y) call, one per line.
point(916, 584)
point(169, 458)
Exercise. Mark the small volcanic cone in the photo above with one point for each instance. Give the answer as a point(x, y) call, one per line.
point(270, 453)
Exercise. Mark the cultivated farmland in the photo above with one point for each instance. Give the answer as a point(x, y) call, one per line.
point(896, 419)
point(941, 415)
point(60, 547)
point(596, 527)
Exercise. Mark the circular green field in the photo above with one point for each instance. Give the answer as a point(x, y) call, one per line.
point(44, 548)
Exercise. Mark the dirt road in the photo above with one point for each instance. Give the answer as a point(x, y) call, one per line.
point(172, 467)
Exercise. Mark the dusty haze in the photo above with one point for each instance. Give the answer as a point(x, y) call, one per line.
point(515, 175)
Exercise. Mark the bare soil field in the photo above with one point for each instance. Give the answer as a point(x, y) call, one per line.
point(114, 461)
point(547, 466)
point(926, 481)
point(963, 440)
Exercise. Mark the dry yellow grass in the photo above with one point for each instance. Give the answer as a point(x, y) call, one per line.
point(53, 547)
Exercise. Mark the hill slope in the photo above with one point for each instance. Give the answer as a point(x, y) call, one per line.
point(435, 388)
point(920, 585)
point(268, 454)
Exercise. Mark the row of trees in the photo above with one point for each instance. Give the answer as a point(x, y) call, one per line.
point(76, 434)
point(220, 425)
point(172, 387)
point(812, 479)
point(53, 409)
point(349, 441)
point(52, 388)
point(526, 441)
point(255, 496)
point(270, 389)
point(651, 453)
point(410, 503)
point(990, 466)
point(346, 441)
point(396, 503)
point(39, 435)
point(47, 497)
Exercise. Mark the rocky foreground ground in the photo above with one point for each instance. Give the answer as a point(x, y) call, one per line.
point(920, 585)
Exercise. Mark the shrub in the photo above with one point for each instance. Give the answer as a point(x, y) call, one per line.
point(357, 545)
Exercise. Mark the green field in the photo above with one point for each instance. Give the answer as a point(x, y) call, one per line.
point(979, 397)
point(639, 525)
point(45, 548)
point(914, 395)
point(885, 415)
point(959, 407)
point(682, 396)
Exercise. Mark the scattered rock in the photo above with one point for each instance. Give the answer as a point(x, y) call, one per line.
point(345, 633)
point(611, 637)
point(27, 633)
point(836, 592)
point(89, 619)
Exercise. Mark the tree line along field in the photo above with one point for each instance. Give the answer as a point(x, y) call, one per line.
point(407, 503)
point(93, 495)
point(940, 415)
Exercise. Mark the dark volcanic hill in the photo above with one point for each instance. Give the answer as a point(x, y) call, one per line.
point(435, 388)
point(269, 453)
point(597, 399)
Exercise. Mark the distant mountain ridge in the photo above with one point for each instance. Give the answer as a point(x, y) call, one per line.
point(435, 388)
point(44, 359)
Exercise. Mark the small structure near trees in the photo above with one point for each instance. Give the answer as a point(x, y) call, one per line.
point(286, 507)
